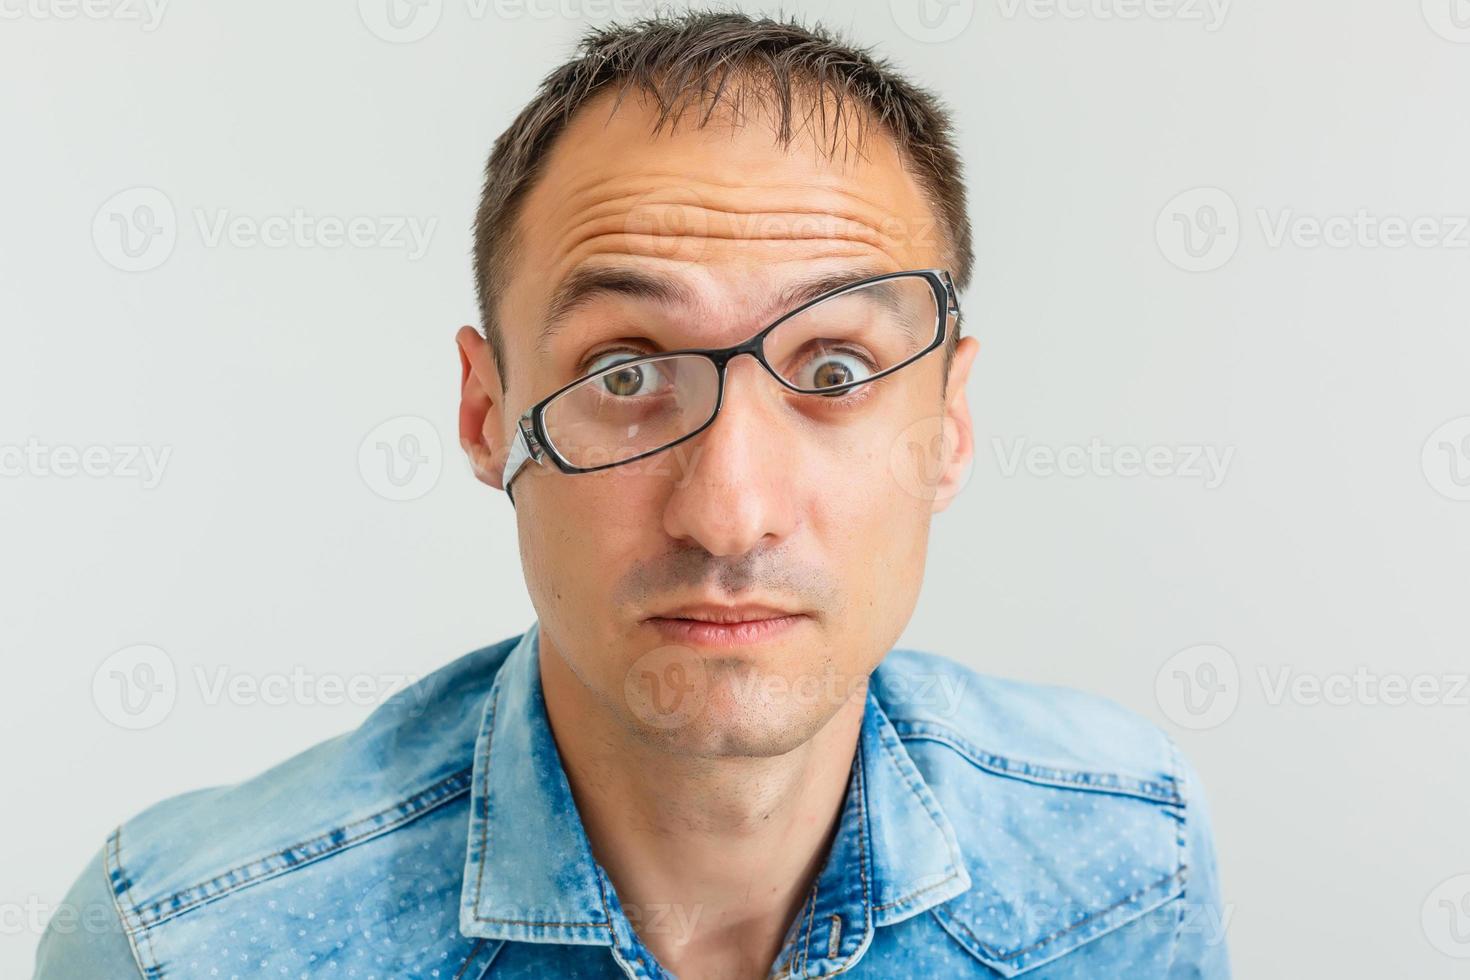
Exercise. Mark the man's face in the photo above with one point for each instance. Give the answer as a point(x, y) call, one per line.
point(784, 500)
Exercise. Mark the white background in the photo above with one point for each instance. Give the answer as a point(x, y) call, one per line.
point(1334, 543)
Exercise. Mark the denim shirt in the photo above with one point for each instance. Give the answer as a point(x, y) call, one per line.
point(990, 829)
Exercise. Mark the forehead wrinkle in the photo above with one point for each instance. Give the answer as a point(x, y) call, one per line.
point(597, 233)
point(597, 202)
point(647, 181)
point(598, 229)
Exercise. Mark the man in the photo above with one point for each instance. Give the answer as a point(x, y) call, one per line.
point(703, 758)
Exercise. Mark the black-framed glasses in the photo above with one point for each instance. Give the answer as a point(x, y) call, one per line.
point(643, 404)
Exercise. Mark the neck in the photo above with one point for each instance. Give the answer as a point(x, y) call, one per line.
point(711, 857)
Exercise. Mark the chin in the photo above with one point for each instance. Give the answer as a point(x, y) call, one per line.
point(715, 738)
point(751, 712)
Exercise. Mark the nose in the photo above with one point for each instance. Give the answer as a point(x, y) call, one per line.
point(737, 489)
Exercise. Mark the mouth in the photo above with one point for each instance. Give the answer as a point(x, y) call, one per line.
point(711, 625)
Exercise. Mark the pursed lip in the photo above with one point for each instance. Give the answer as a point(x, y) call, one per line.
point(724, 627)
point(709, 612)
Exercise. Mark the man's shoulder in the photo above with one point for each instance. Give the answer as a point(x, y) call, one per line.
point(408, 759)
point(1082, 826)
point(1016, 729)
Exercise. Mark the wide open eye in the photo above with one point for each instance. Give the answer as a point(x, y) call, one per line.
point(636, 380)
point(851, 336)
point(829, 368)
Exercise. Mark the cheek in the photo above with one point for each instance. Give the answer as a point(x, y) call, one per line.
point(872, 529)
point(582, 531)
point(867, 481)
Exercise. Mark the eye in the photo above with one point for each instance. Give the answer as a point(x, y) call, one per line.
point(831, 368)
point(636, 380)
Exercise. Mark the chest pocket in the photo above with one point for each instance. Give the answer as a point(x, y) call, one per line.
point(1058, 859)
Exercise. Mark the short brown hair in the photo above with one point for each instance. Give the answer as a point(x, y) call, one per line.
point(693, 57)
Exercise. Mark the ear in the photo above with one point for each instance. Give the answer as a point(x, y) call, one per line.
point(480, 407)
point(960, 446)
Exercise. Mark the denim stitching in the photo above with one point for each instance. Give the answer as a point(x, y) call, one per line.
point(474, 950)
point(994, 953)
point(117, 908)
point(137, 936)
point(494, 955)
point(913, 895)
point(862, 871)
point(1077, 779)
point(811, 911)
point(485, 836)
point(913, 788)
point(862, 790)
point(792, 961)
point(484, 763)
point(1175, 769)
point(419, 804)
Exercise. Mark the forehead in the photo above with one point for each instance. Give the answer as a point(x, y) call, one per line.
point(723, 210)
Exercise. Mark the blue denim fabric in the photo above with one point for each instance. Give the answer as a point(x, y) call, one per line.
point(990, 829)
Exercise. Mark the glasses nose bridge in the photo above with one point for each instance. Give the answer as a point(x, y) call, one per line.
point(754, 347)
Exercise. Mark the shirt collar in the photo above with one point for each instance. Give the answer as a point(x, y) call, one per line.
point(530, 875)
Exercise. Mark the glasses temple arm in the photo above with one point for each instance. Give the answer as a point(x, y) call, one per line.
point(520, 454)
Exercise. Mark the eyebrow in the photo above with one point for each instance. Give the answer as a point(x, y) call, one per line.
point(583, 286)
